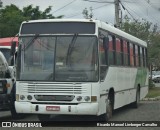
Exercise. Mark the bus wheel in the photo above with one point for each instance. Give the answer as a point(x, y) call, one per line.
point(44, 117)
point(109, 110)
point(110, 105)
point(14, 114)
point(135, 104)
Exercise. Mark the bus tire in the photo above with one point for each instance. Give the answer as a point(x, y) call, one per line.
point(111, 105)
point(135, 104)
point(109, 108)
point(44, 117)
point(14, 114)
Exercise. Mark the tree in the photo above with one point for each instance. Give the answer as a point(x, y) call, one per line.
point(11, 17)
point(10, 20)
point(86, 13)
point(154, 50)
point(1, 3)
point(33, 13)
point(139, 29)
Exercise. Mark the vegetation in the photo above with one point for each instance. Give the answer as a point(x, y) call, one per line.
point(87, 14)
point(153, 92)
point(151, 84)
point(11, 17)
point(148, 32)
point(140, 29)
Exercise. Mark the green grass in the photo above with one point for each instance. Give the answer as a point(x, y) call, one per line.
point(153, 92)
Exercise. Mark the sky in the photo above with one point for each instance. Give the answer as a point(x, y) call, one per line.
point(103, 9)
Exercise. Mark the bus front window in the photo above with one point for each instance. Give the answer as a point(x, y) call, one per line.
point(36, 60)
point(58, 58)
point(76, 58)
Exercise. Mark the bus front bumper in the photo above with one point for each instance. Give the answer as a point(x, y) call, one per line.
point(80, 109)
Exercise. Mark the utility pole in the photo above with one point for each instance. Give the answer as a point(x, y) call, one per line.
point(0, 3)
point(118, 14)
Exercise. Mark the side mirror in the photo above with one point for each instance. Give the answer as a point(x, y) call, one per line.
point(105, 43)
point(13, 48)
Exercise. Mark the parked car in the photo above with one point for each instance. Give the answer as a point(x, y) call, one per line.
point(153, 74)
point(156, 77)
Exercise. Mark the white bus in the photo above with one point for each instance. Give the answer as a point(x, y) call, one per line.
point(78, 67)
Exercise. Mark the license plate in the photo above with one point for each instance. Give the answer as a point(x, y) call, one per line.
point(52, 108)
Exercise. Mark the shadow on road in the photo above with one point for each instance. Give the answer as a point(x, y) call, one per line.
point(124, 109)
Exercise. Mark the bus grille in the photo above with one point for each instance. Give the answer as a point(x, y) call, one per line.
point(54, 88)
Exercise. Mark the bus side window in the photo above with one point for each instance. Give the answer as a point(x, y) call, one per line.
point(136, 56)
point(128, 51)
point(131, 55)
point(103, 50)
point(110, 51)
point(141, 56)
point(119, 52)
point(125, 52)
point(145, 57)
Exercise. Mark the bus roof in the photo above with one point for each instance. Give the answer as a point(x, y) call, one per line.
point(61, 20)
point(123, 34)
point(100, 24)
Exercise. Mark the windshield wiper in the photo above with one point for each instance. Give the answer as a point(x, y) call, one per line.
point(71, 47)
point(30, 42)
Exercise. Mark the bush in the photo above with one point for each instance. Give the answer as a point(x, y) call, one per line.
point(151, 84)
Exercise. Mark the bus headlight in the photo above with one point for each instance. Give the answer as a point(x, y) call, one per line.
point(79, 98)
point(86, 98)
point(29, 97)
point(22, 97)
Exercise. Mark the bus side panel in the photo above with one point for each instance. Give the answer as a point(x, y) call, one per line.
point(142, 80)
point(144, 90)
point(122, 80)
point(124, 98)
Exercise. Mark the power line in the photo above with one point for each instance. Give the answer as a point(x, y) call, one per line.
point(132, 10)
point(153, 18)
point(149, 3)
point(143, 14)
point(73, 15)
point(92, 9)
point(64, 6)
point(127, 11)
point(97, 1)
point(104, 1)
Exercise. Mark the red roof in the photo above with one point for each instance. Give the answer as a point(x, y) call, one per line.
point(7, 41)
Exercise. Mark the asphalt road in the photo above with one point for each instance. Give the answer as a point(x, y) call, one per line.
point(147, 111)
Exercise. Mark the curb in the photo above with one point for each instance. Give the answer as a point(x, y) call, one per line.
point(151, 99)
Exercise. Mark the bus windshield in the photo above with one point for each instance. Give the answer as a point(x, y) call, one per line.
point(6, 53)
point(58, 58)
